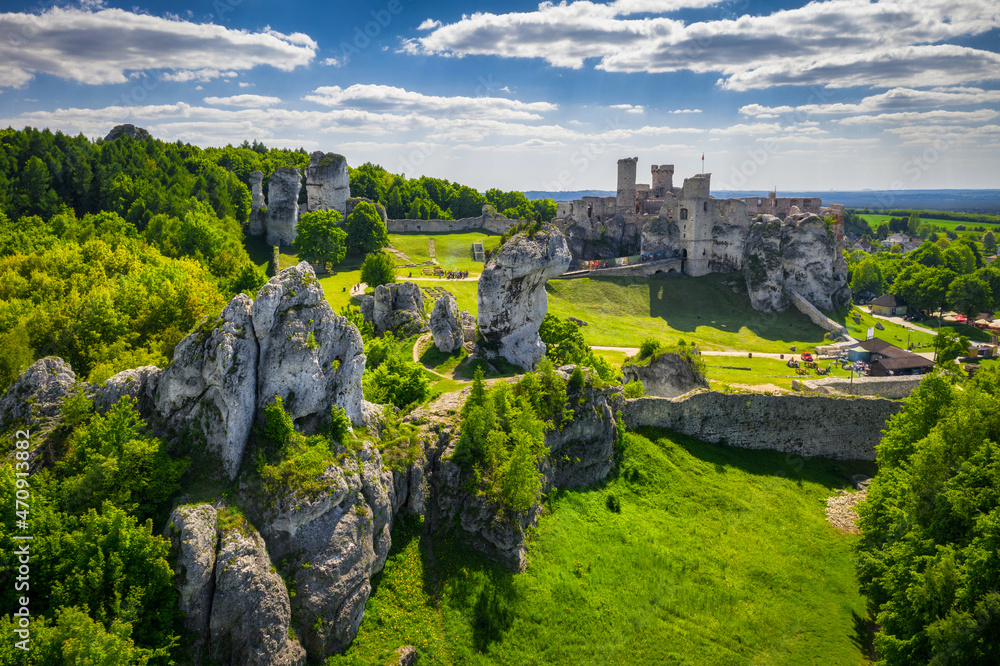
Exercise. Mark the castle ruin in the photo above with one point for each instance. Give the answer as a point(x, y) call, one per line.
point(784, 245)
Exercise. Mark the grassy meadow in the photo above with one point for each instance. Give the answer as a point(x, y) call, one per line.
point(874, 220)
point(692, 553)
point(453, 251)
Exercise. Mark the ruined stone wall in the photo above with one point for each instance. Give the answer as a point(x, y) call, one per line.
point(496, 225)
point(895, 388)
point(807, 425)
point(781, 206)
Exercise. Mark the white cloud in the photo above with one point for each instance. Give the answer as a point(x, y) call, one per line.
point(834, 43)
point(686, 111)
point(244, 84)
point(400, 100)
point(99, 46)
point(899, 99)
point(429, 24)
point(629, 108)
point(247, 101)
point(951, 117)
point(331, 62)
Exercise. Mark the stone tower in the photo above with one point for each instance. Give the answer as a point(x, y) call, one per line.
point(663, 180)
point(626, 185)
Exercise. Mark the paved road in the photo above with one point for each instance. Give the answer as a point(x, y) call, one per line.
point(907, 324)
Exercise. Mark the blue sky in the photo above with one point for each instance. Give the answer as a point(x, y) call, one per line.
point(833, 94)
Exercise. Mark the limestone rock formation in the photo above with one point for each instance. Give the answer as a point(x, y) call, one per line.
point(800, 255)
point(310, 356)
point(283, 205)
point(258, 209)
point(210, 388)
point(38, 394)
point(762, 265)
point(193, 537)
point(582, 452)
point(139, 383)
point(397, 307)
point(250, 613)
point(445, 325)
point(512, 299)
point(328, 185)
point(333, 540)
point(127, 129)
point(667, 376)
point(813, 263)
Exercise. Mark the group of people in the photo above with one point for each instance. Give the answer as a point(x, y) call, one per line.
point(452, 275)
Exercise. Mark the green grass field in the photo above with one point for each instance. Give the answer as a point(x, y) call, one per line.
point(453, 251)
point(717, 555)
point(901, 336)
point(876, 219)
point(721, 370)
point(621, 312)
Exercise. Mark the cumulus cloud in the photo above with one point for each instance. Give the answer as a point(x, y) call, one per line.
point(99, 46)
point(400, 100)
point(247, 101)
point(629, 108)
point(835, 43)
point(896, 99)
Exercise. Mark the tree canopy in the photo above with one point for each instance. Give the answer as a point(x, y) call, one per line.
point(319, 238)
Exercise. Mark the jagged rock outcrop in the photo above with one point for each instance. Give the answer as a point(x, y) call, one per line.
point(449, 334)
point(397, 307)
point(332, 539)
point(660, 234)
point(667, 375)
point(194, 539)
point(37, 394)
point(127, 129)
point(512, 299)
point(800, 254)
point(581, 453)
point(328, 185)
point(251, 613)
point(310, 356)
point(210, 389)
point(762, 265)
point(139, 383)
point(283, 205)
point(33, 402)
point(814, 266)
point(258, 208)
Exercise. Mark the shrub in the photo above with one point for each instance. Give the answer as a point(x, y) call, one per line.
point(648, 347)
point(377, 269)
point(634, 389)
point(614, 503)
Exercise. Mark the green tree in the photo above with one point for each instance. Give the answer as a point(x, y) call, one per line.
point(970, 295)
point(928, 254)
point(366, 231)
point(913, 224)
point(989, 242)
point(960, 258)
point(923, 288)
point(867, 276)
point(928, 560)
point(378, 268)
point(319, 238)
point(949, 345)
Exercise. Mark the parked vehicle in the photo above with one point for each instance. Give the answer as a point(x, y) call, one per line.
point(806, 356)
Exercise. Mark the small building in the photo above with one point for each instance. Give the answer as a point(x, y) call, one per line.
point(896, 239)
point(888, 359)
point(888, 305)
point(859, 353)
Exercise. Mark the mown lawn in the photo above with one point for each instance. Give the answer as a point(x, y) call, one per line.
point(621, 312)
point(722, 370)
point(874, 220)
point(901, 336)
point(453, 251)
point(692, 554)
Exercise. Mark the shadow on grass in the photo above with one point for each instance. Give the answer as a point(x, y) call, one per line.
point(864, 635)
point(764, 462)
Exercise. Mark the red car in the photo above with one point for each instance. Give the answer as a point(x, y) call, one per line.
point(806, 356)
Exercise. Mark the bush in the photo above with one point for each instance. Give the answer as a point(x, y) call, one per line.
point(634, 389)
point(648, 347)
point(614, 503)
point(377, 269)
point(392, 377)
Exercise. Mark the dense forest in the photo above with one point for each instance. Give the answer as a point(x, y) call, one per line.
point(111, 251)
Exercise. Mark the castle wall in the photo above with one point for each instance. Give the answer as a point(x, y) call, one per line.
point(781, 206)
point(496, 225)
point(807, 425)
point(662, 180)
